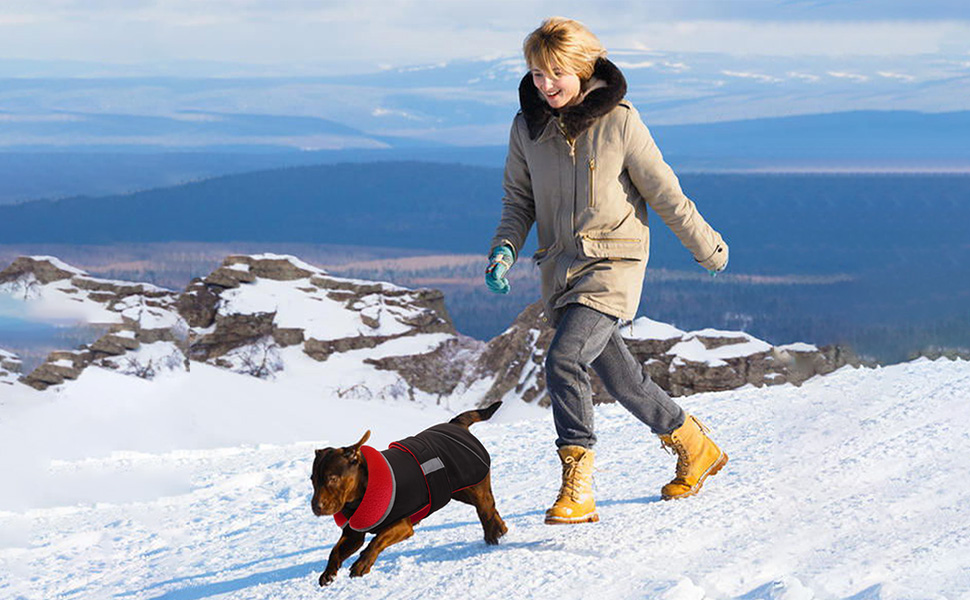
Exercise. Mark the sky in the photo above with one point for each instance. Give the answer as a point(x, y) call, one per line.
point(346, 36)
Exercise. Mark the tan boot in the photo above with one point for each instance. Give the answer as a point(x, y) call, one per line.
point(697, 458)
point(575, 503)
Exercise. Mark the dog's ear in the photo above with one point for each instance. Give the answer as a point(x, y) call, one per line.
point(353, 452)
point(362, 441)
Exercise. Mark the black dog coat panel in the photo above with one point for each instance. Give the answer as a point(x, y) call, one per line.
point(416, 476)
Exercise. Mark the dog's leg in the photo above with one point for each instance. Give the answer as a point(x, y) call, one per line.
point(397, 532)
point(480, 496)
point(350, 541)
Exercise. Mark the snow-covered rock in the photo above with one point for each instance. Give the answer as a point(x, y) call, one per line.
point(513, 363)
point(250, 308)
point(130, 313)
point(10, 367)
point(681, 362)
point(245, 316)
point(711, 360)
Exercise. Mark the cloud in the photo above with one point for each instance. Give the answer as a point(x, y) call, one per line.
point(643, 64)
point(804, 76)
point(897, 76)
point(361, 34)
point(851, 76)
point(755, 76)
point(389, 112)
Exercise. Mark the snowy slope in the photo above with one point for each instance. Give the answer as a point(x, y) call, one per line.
point(194, 486)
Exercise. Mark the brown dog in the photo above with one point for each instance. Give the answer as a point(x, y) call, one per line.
point(387, 493)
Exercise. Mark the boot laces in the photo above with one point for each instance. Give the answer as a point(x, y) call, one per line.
point(571, 479)
point(676, 448)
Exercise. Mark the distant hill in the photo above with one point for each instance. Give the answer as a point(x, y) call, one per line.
point(404, 204)
point(804, 224)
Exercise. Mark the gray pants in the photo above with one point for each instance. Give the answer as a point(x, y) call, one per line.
point(585, 337)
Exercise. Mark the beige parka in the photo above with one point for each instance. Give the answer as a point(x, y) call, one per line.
point(585, 176)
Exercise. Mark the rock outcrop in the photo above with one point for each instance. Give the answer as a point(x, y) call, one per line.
point(258, 314)
point(682, 363)
point(251, 307)
point(242, 316)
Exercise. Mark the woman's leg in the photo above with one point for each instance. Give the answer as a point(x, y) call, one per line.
point(698, 457)
point(627, 381)
point(581, 335)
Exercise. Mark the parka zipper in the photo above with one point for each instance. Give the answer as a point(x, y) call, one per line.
point(592, 181)
point(602, 239)
point(569, 141)
point(572, 155)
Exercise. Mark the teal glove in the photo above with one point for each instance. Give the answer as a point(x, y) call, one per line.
point(499, 263)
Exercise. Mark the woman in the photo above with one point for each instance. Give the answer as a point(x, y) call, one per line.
point(583, 167)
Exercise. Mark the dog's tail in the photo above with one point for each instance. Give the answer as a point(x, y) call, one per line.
point(470, 417)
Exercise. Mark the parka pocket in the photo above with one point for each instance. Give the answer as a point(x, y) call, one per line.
point(605, 245)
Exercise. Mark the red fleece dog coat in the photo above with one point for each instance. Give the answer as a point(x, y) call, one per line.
point(416, 476)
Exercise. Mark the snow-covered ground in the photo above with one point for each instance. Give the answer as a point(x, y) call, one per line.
point(195, 485)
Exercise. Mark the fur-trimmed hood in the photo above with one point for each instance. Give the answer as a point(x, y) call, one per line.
point(607, 87)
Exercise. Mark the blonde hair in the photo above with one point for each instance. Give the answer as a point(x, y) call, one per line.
point(564, 44)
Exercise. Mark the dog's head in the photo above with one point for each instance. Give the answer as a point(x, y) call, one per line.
point(337, 476)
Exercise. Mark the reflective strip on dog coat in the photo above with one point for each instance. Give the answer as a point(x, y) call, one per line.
point(416, 476)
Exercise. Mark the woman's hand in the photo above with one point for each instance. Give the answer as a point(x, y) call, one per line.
point(499, 263)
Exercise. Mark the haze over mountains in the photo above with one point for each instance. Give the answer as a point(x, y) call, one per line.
point(461, 103)
point(122, 153)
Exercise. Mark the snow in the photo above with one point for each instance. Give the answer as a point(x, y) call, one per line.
point(149, 360)
point(693, 350)
point(719, 333)
point(644, 328)
point(321, 317)
point(195, 485)
point(148, 317)
point(799, 347)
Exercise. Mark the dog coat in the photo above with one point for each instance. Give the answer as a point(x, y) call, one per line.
point(416, 476)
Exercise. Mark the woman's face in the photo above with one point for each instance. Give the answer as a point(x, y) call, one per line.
point(558, 88)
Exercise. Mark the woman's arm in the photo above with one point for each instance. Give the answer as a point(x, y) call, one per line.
point(658, 185)
point(518, 204)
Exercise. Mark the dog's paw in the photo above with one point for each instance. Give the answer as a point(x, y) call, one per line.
point(327, 577)
point(360, 568)
point(495, 530)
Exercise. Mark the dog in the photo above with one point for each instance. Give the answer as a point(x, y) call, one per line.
point(387, 493)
